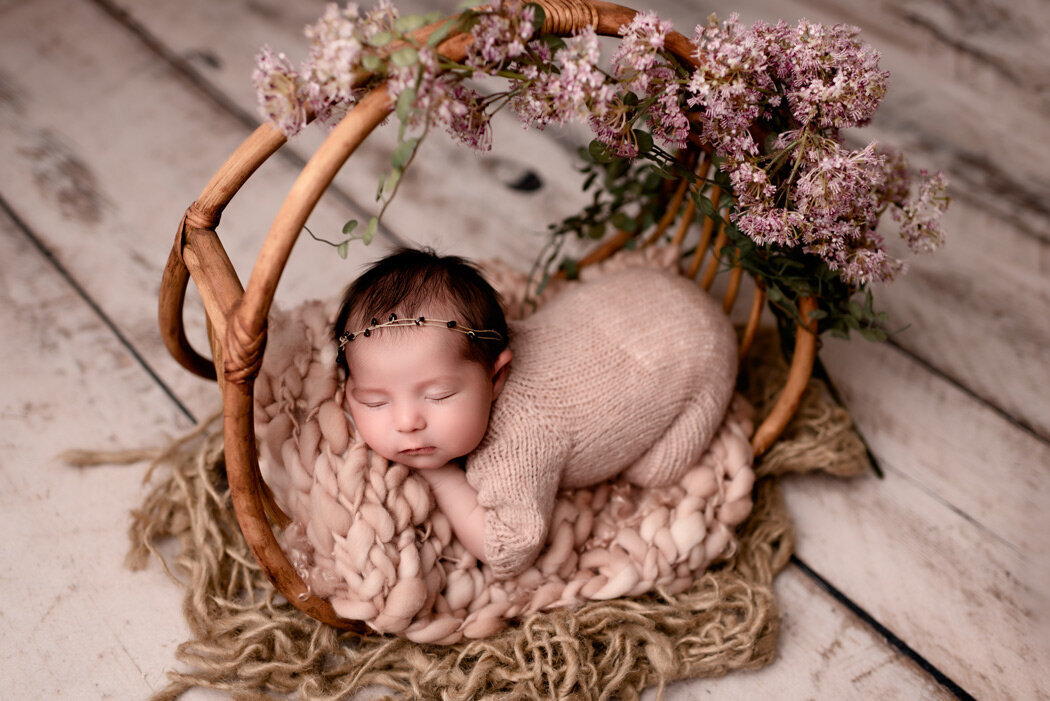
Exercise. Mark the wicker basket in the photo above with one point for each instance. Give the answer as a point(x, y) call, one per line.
point(237, 316)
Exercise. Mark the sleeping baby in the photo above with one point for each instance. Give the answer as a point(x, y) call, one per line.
point(628, 374)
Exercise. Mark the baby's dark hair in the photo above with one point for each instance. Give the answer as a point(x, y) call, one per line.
point(409, 282)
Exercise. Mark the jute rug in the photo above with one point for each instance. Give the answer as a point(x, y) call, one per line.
point(250, 642)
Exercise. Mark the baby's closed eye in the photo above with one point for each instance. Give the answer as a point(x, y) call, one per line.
point(374, 405)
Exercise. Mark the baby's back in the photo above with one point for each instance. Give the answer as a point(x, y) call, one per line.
point(613, 362)
point(630, 373)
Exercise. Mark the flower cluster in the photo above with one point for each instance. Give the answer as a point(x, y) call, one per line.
point(770, 101)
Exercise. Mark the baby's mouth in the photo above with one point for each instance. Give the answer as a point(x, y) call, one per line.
point(427, 450)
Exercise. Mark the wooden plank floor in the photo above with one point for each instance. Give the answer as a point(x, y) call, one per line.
point(931, 583)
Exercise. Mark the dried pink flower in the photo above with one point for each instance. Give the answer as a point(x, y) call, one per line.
point(575, 90)
point(501, 34)
point(920, 217)
point(770, 99)
point(279, 91)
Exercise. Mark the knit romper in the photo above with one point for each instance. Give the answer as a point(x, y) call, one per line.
point(630, 373)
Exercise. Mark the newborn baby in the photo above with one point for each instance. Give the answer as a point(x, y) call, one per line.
point(631, 373)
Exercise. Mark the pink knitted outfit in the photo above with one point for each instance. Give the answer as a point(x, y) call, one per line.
point(638, 353)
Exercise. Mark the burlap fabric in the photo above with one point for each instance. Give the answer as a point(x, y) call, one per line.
point(248, 641)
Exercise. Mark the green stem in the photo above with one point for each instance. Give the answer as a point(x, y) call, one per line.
point(317, 238)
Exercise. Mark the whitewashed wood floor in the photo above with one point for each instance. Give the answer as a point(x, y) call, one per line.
point(931, 583)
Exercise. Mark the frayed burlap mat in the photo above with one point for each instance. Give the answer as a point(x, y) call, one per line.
point(248, 641)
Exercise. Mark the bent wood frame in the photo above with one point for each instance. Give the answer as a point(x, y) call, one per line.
point(237, 315)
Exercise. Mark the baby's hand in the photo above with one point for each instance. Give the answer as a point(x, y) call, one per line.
point(444, 476)
point(459, 502)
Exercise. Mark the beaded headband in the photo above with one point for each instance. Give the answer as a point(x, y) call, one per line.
point(482, 334)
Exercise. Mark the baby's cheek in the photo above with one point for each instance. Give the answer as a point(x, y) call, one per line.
point(365, 425)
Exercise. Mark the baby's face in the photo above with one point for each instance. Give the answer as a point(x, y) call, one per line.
point(416, 399)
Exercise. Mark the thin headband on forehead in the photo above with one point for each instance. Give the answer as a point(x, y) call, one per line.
point(481, 334)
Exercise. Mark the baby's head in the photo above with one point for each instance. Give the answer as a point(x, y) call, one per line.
point(424, 346)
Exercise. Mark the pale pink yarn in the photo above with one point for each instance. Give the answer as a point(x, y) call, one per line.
point(365, 533)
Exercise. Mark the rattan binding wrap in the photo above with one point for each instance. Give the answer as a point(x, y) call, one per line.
point(237, 315)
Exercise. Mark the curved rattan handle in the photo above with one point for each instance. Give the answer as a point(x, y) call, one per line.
point(798, 378)
point(239, 320)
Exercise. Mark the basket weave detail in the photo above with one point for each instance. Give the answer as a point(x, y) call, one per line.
point(567, 16)
point(244, 351)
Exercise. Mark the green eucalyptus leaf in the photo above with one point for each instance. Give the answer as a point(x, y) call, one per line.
point(342, 249)
point(439, 34)
point(855, 310)
point(644, 140)
point(553, 42)
point(596, 231)
point(704, 205)
point(405, 100)
point(392, 179)
point(403, 153)
point(598, 152)
point(349, 226)
point(409, 23)
point(370, 230)
point(617, 167)
point(469, 19)
point(372, 63)
point(404, 57)
point(818, 314)
point(539, 16)
point(653, 180)
point(380, 39)
point(571, 268)
point(623, 222)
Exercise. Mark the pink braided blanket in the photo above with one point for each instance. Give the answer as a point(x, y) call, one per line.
point(365, 533)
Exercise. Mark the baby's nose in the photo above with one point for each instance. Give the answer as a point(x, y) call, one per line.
point(410, 418)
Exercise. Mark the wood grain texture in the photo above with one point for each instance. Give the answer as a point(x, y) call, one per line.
point(824, 653)
point(70, 608)
point(94, 99)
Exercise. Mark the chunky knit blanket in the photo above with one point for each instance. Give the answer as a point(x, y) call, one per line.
point(366, 535)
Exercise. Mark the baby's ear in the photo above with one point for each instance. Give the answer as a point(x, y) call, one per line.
point(500, 369)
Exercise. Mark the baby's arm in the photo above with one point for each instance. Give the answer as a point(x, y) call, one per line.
point(459, 502)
